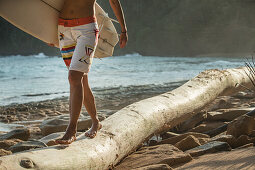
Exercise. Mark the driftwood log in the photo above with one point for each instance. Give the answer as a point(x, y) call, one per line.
point(125, 130)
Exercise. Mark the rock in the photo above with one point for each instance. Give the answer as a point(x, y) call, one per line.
point(150, 155)
point(210, 147)
point(60, 123)
point(152, 142)
point(231, 140)
point(155, 167)
point(207, 126)
point(245, 105)
point(187, 143)
point(22, 134)
point(221, 102)
point(249, 145)
point(169, 135)
point(22, 146)
point(4, 152)
point(203, 141)
point(252, 104)
point(243, 125)
point(29, 122)
point(244, 95)
point(227, 114)
point(252, 134)
point(192, 122)
point(5, 144)
point(176, 139)
point(243, 140)
point(49, 140)
point(7, 127)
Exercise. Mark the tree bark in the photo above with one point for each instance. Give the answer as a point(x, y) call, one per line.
point(125, 130)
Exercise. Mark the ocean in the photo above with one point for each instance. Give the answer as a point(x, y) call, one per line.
point(38, 77)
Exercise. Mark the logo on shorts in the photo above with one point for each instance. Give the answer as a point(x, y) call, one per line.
point(88, 50)
point(61, 36)
point(86, 59)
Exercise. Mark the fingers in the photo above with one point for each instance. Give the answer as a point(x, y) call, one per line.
point(123, 43)
point(123, 40)
point(51, 44)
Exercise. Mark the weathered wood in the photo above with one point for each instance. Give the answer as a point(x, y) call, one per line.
point(125, 130)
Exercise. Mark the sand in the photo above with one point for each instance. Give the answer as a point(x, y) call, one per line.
point(237, 159)
point(32, 114)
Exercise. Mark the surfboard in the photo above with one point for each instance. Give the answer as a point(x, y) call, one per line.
point(39, 18)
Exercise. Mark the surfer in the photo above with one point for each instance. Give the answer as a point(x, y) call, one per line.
point(78, 36)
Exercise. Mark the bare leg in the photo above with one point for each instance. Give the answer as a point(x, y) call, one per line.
point(89, 102)
point(75, 101)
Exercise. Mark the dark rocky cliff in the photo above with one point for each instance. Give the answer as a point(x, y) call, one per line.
point(166, 28)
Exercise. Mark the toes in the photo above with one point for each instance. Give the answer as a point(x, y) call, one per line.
point(69, 141)
point(87, 134)
point(93, 135)
point(90, 135)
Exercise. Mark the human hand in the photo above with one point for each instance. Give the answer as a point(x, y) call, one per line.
point(123, 39)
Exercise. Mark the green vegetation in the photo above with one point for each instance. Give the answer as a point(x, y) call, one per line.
point(166, 28)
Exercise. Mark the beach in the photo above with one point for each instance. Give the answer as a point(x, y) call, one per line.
point(36, 115)
point(180, 95)
point(108, 102)
point(32, 114)
point(188, 145)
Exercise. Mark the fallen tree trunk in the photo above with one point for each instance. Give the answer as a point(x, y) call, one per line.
point(125, 130)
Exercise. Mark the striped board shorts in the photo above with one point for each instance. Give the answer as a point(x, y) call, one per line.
point(78, 39)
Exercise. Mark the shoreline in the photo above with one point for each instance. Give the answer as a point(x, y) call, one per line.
point(58, 107)
point(242, 99)
point(131, 91)
point(108, 100)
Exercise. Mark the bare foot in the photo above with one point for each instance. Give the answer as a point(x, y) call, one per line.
point(68, 138)
point(92, 132)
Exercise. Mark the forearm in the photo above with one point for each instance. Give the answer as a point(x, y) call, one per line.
point(117, 9)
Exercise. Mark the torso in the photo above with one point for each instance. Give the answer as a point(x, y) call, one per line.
point(77, 9)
